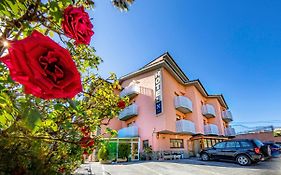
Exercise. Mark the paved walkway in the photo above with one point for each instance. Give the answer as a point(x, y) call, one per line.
point(181, 167)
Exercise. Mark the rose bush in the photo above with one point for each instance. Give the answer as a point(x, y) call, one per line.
point(76, 24)
point(40, 136)
point(45, 69)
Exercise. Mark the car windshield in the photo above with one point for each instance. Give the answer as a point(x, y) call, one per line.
point(258, 143)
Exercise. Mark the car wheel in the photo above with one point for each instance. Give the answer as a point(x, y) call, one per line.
point(205, 157)
point(243, 160)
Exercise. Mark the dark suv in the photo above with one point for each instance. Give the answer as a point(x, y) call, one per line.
point(244, 152)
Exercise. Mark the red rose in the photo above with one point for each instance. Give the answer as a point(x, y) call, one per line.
point(62, 170)
point(85, 153)
point(86, 142)
point(121, 104)
point(85, 130)
point(45, 69)
point(91, 142)
point(76, 24)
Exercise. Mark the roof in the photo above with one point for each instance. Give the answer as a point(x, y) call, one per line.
point(165, 60)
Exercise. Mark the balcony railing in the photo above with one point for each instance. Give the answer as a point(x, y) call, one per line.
point(229, 131)
point(130, 91)
point(185, 126)
point(183, 104)
point(211, 129)
point(227, 116)
point(208, 111)
point(128, 112)
point(131, 131)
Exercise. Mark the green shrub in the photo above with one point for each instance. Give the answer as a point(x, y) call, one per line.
point(124, 150)
point(103, 153)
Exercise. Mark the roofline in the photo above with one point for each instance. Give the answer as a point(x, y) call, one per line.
point(170, 64)
point(179, 75)
point(203, 91)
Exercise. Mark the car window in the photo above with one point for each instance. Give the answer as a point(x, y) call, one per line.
point(237, 145)
point(245, 144)
point(258, 142)
point(220, 145)
point(230, 145)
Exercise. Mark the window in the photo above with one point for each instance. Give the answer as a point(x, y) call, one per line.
point(205, 122)
point(230, 144)
point(213, 142)
point(237, 145)
point(131, 124)
point(145, 144)
point(258, 143)
point(246, 144)
point(176, 143)
point(209, 143)
point(220, 145)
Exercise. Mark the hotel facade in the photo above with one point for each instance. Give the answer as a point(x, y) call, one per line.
point(169, 112)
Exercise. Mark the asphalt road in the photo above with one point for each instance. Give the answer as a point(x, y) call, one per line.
point(182, 167)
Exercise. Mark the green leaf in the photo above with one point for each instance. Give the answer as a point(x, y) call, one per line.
point(58, 106)
point(33, 119)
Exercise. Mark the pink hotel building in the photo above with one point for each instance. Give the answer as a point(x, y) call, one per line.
point(169, 112)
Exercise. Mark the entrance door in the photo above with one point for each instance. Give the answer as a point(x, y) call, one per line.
point(190, 148)
point(134, 151)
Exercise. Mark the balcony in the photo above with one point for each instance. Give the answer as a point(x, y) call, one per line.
point(131, 131)
point(229, 131)
point(183, 104)
point(130, 91)
point(208, 111)
point(185, 127)
point(211, 129)
point(128, 112)
point(227, 116)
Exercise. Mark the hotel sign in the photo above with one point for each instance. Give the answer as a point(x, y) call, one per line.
point(158, 92)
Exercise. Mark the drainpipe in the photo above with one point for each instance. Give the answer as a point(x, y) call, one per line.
point(152, 140)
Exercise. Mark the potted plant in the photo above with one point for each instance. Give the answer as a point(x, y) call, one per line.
point(148, 152)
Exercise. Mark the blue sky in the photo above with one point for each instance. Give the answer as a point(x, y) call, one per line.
point(233, 47)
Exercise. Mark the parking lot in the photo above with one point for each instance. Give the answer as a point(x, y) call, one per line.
point(182, 167)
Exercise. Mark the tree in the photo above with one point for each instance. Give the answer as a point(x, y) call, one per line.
point(48, 113)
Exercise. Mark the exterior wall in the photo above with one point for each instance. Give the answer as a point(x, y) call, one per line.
point(163, 142)
point(262, 136)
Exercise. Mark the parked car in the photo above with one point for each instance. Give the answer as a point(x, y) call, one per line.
point(243, 151)
point(278, 143)
point(275, 149)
